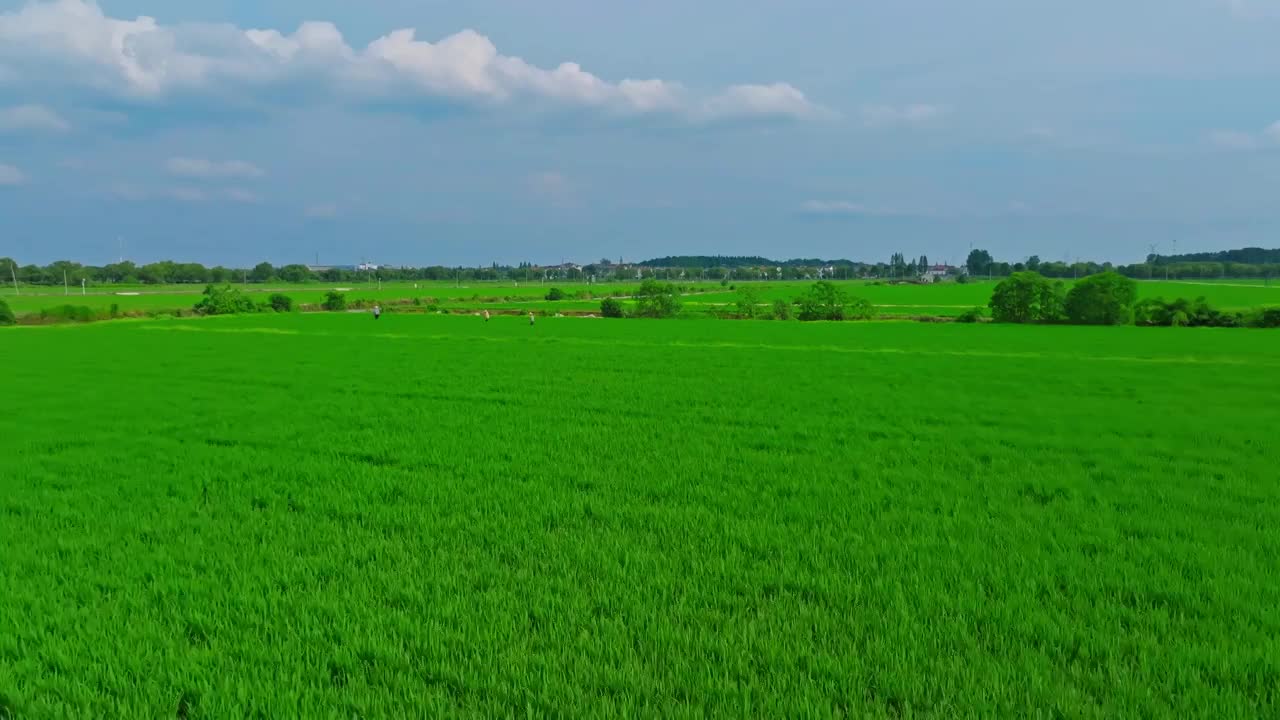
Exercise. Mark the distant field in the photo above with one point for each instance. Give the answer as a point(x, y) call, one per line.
point(941, 299)
point(327, 516)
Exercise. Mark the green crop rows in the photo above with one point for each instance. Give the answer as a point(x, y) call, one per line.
point(328, 516)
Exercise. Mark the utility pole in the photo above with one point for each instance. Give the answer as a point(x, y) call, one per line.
point(1152, 258)
point(13, 271)
point(66, 289)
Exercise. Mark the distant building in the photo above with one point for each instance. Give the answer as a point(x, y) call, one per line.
point(936, 273)
point(326, 268)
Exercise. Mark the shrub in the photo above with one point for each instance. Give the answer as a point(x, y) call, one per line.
point(6, 315)
point(611, 308)
point(281, 303)
point(1265, 318)
point(781, 310)
point(115, 310)
point(68, 313)
point(224, 300)
point(657, 300)
point(961, 279)
point(748, 300)
point(335, 301)
point(972, 315)
point(1027, 297)
point(555, 294)
point(826, 301)
point(1103, 299)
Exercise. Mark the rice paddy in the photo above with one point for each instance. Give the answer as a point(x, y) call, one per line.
point(327, 516)
point(701, 298)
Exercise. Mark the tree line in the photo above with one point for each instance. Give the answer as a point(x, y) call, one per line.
point(1108, 298)
point(1243, 263)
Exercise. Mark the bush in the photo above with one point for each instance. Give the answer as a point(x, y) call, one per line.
point(335, 301)
point(68, 313)
point(1266, 318)
point(6, 315)
point(1027, 297)
point(555, 294)
point(280, 303)
point(611, 308)
point(1155, 312)
point(972, 315)
point(1103, 299)
point(781, 310)
point(657, 300)
point(961, 279)
point(224, 300)
point(826, 301)
point(748, 300)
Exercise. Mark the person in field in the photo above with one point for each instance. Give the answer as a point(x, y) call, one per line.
point(530, 318)
point(486, 316)
point(377, 312)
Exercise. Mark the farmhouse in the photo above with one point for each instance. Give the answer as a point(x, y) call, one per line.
point(936, 273)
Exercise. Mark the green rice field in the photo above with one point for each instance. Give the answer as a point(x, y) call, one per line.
point(943, 299)
point(323, 515)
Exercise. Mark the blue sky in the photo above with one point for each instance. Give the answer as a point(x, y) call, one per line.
point(443, 132)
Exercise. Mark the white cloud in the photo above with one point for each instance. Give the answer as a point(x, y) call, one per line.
point(323, 210)
point(1253, 9)
point(11, 176)
point(209, 169)
point(915, 115)
point(31, 118)
point(1233, 140)
point(844, 208)
point(73, 42)
point(241, 195)
point(1237, 140)
point(185, 194)
point(778, 100)
point(553, 188)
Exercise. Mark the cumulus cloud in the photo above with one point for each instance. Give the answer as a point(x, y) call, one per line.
point(1253, 9)
point(1239, 140)
point(209, 169)
point(11, 176)
point(777, 100)
point(241, 195)
point(553, 188)
point(843, 208)
point(185, 194)
point(73, 42)
point(915, 115)
point(31, 118)
point(1233, 140)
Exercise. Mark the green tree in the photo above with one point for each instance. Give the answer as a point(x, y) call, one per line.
point(1103, 299)
point(979, 262)
point(293, 274)
point(335, 301)
point(280, 302)
point(555, 294)
point(6, 315)
point(1027, 297)
point(748, 300)
point(826, 301)
point(1033, 263)
point(781, 309)
point(611, 308)
point(657, 300)
point(262, 272)
point(224, 300)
